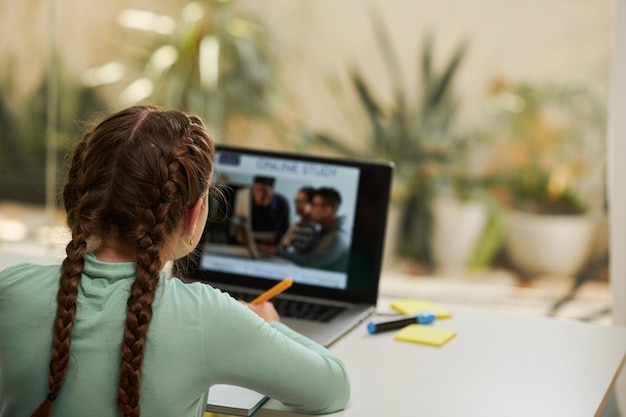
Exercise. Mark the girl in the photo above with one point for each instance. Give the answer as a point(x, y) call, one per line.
point(106, 333)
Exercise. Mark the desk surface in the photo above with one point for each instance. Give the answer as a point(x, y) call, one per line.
point(498, 364)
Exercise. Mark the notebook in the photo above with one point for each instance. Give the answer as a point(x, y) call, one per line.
point(333, 290)
point(234, 400)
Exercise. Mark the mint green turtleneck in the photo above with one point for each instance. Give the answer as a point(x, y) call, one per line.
point(198, 337)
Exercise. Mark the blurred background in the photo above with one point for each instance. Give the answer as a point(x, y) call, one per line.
point(495, 114)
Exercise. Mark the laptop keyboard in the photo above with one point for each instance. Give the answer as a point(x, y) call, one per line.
point(305, 310)
point(298, 309)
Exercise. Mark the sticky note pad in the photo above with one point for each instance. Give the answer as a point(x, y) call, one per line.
point(426, 335)
point(411, 307)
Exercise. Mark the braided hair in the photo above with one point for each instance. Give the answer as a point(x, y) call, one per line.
point(131, 180)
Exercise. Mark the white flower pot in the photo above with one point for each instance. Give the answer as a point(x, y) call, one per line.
point(541, 244)
point(457, 227)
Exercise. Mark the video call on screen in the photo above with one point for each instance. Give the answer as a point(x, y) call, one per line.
point(254, 208)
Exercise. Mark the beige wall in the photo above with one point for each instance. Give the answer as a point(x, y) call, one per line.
point(322, 39)
point(524, 40)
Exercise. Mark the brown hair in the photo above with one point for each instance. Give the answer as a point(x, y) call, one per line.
point(131, 179)
point(330, 196)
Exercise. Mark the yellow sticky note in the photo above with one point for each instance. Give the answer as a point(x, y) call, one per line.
point(412, 307)
point(427, 335)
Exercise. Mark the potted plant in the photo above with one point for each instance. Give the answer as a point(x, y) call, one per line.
point(212, 58)
point(420, 137)
point(550, 158)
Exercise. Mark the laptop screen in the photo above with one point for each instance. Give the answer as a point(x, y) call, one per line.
point(318, 220)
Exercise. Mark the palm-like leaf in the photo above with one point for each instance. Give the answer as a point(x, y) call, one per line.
point(245, 84)
point(414, 137)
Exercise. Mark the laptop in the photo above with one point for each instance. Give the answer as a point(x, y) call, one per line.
point(242, 254)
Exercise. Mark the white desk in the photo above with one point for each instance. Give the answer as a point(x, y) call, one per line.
point(498, 365)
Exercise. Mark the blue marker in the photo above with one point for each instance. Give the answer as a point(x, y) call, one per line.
point(426, 317)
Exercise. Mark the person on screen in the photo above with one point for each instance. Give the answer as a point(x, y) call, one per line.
point(330, 247)
point(300, 236)
point(107, 333)
point(270, 215)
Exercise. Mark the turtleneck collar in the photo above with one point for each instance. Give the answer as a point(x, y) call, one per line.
point(107, 271)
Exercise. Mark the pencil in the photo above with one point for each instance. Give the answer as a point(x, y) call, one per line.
point(275, 290)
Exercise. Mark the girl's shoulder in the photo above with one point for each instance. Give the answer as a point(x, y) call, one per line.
point(191, 292)
point(25, 275)
point(28, 268)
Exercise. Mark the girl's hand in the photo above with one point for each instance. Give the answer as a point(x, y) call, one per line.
point(265, 310)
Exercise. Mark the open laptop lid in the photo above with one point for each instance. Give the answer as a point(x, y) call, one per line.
point(223, 258)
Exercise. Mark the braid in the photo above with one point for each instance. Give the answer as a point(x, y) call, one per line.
point(66, 311)
point(151, 237)
point(70, 278)
point(153, 234)
point(138, 319)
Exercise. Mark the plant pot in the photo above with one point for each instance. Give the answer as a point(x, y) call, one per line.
point(457, 226)
point(541, 244)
